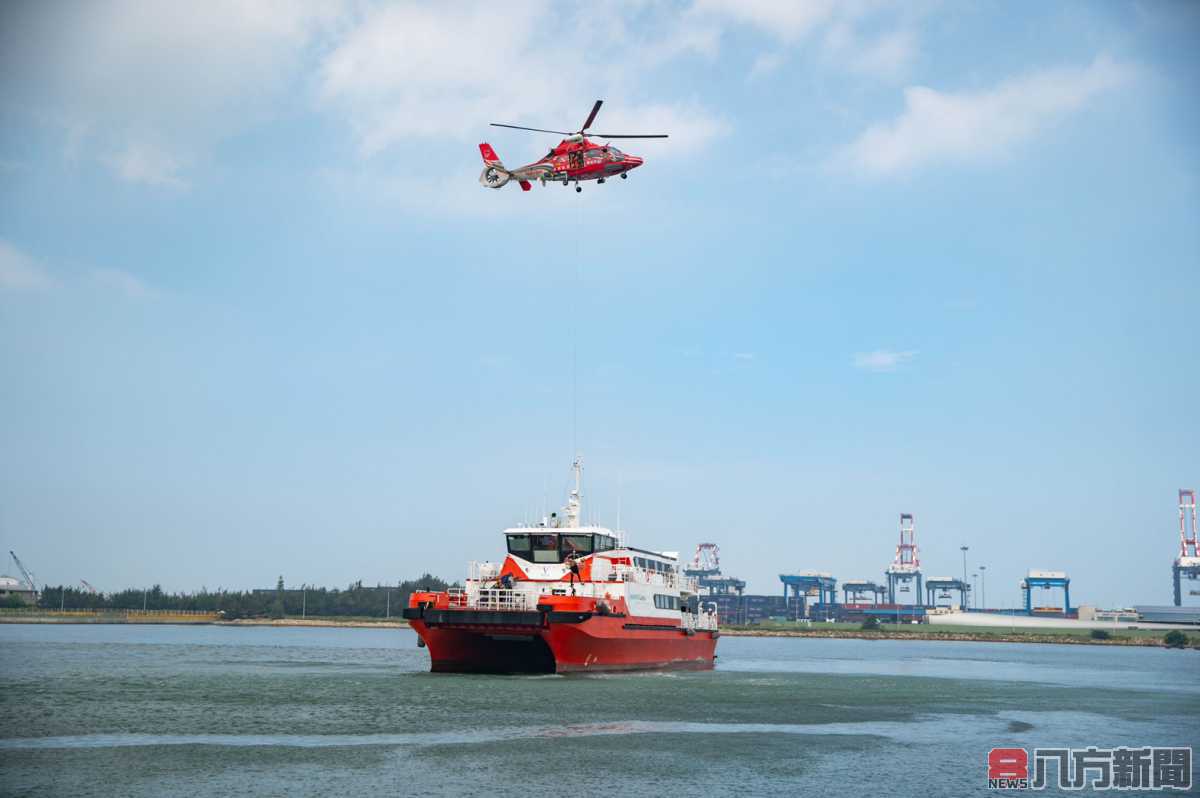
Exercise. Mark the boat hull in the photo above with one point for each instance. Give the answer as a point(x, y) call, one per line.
point(580, 642)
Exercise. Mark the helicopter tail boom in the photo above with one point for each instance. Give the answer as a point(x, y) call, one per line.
point(494, 174)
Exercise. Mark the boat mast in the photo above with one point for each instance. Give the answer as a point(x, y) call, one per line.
point(573, 498)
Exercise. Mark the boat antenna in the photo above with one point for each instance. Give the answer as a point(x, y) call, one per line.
point(619, 486)
point(573, 498)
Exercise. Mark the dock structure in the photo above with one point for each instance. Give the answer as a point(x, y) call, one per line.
point(1188, 562)
point(906, 566)
point(943, 585)
point(808, 583)
point(1050, 580)
point(854, 590)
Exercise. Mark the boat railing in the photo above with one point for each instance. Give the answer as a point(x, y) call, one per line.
point(702, 621)
point(627, 572)
point(634, 573)
point(505, 599)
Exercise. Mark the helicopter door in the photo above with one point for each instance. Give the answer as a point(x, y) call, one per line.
point(575, 159)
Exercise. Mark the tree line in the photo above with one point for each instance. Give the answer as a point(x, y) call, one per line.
point(277, 602)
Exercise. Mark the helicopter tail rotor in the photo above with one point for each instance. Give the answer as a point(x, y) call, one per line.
point(494, 175)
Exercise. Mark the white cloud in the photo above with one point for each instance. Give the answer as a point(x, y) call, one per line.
point(969, 126)
point(419, 70)
point(122, 282)
point(115, 75)
point(787, 21)
point(883, 359)
point(149, 165)
point(766, 64)
point(868, 37)
point(19, 272)
point(887, 55)
point(743, 355)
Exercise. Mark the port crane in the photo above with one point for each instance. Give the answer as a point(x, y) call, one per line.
point(24, 571)
point(88, 586)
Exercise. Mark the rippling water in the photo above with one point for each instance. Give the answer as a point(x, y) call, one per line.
point(194, 710)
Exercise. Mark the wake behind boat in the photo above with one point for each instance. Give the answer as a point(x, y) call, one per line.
point(567, 598)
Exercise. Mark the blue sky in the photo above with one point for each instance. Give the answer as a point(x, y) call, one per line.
point(258, 317)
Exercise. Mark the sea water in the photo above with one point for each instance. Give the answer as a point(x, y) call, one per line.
point(216, 710)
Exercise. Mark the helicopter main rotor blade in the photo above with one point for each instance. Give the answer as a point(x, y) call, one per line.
point(592, 116)
point(534, 129)
point(631, 135)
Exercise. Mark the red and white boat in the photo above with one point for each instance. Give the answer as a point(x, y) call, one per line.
point(567, 598)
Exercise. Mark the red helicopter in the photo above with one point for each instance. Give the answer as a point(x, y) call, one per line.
point(575, 158)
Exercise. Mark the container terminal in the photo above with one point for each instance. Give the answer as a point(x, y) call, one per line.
point(904, 594)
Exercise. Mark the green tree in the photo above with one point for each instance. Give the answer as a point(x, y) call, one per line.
point(1175, 639)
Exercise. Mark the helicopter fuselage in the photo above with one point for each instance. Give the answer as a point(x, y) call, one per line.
point(578, 158)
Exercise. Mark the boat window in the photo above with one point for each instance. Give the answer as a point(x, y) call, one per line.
point(579, 545)
point(519, 545)
point(666, 602)
point(545, 548)
point(605, 543)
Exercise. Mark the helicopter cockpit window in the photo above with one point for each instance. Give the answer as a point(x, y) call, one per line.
point(594, 154)
point(615, 155)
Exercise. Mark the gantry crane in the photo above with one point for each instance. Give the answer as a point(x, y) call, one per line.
point(24, 571)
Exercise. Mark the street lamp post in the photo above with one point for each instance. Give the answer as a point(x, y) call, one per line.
point(974, 592)
point(964, 551)
point(983, 585)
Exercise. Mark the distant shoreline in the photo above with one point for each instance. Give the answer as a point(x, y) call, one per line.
point(1145, 639)
point(967, 637)
point(204, 619)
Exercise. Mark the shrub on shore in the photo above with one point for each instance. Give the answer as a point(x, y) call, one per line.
point(870, 624)
point(1101, 634)
point(1175, 639)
